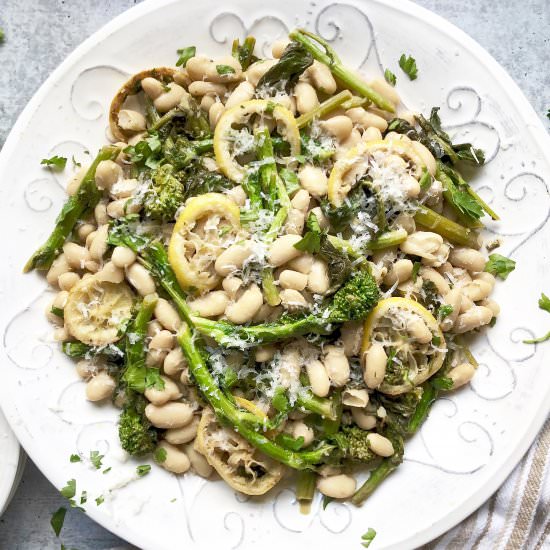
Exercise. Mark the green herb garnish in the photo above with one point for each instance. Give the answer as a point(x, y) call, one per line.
point(56, 162)
point(408, 64)
point(390, 77)
point(500, 266)
point(57, 520)
point(185, 54)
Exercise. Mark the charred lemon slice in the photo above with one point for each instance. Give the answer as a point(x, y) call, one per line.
point(95, 311)
point(358, 161)
point(198, 239)
point(412, 341)
point(233, 136)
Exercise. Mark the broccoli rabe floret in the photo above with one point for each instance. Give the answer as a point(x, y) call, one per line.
point(165, 194)
point(137, 435)
point(355, 299)
point(353, 444)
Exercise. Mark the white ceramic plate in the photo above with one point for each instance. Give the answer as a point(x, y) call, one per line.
point(12, 463)
point(471, 441)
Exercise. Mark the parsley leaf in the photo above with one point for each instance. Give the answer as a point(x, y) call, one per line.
point(500, 266)
point(69, 490)
point(56, 162)
point(311, 241)
point(95, 459)
point(58, 518)
point(74, 458)
point(99, 500)
point(160, 455)
point(408, 64)
point(225, 69)
point(444, 311)
point(390, 77)
point(185, 54)
point(544, 302)
point(143, 470)
point(368, 537)
point(83, 497)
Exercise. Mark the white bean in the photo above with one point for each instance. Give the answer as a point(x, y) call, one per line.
point(203, 68)
point(318, 280)
point(67, 280)
point(214, 114)
point(237, 194)
point(101, 386)
point(59, 266)
point(264, 353)
point(424, 153)
point(258, 69)
point(124, 188)
point(170, 392)
point(302, 263)
point(169, 415)
point(211, 304)
point(153, 327)
point(86, 369)
point(152, 87)
point(131, 121)
point(295, 222)
point(231, 285)
point(176, 461)
point(99, 245)
point(282, 250)
point(207, 101)
point(418, 330)
point(100, 213)
point(467, 258)
point(461, 374)
point(339, 126)
point(313, 180)
point(243, 92)
point(123, 257)
point(107, 174)
point(338, 486)
point(140, 279)
point(292, 279)
point(380, 445)
point(167, 315)
point(111, 273)
point(163, 340)
point(244, 309)
point(292, 299)
point(318, 377)
point(199, 464)
point(492, 305)
point(179, 436)
point(174, 362)
point(363, 119)
point(233, 258)
point(400, 272)
point(422, 243)
point(430, 274)
point(371, 134)
point(387, 90)
point(306, 97)
point(374, 365)
point(84, 230)
point(76, 255)
point(487, 277)
point(169, 99)
point(355, 397)
point(475, 317)
point(76, 180)
point(337, 365)
point(201, 88)
point(300, 429)
point(301, 200)
point(363, 419)
point(477, 290)
point(278, 47)
point(321, 78)
point(453, 298)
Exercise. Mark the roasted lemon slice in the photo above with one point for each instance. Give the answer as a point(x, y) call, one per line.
point(198, 237)
point(231, 137)
point(412, 340)
point(96, 309)
point(357, 162)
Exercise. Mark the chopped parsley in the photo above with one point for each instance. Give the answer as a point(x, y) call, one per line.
point(390, 77)
point(444, 311)
point(83, 497)
point(185, 54)
point(69, 491)
point(160, 455)
point(368, 537)
point(107, 470)
point(56, 162)
point(143, 470)
point(57, 520)
point(225, 69)
point(95, 459)
point(74, 458)
point(544, 302)
point(500, 266)
point(99, 500)
point(408, 64)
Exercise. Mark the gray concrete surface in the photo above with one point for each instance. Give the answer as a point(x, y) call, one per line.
point(41, 33)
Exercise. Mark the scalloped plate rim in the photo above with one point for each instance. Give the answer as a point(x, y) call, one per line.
point(511, 89)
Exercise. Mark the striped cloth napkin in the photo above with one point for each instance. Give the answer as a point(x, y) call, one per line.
point(517, 516)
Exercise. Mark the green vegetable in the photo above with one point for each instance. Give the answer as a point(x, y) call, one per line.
point(137, 435)
point(75, 458)
point(353, 443)
point(185, 54)
point(95, 459)
point(444, 311)
point(225, 69)
point(324, 108)
point(340, 217)
point(56, 162)
point(416, 269)
point(78, 350)
point(69, 491)
point(390, 77)
point(85, 198)
point(2, 36)
point(544, 302)
point(500, 266)
point(285, 73)
point(311, 241)
point(368, 537)
point(197, 180)
point(305, 485)
point(352, 302)
point(165, 194)
point(160, 455)
point(538, 340)
point(144, 469)
point(245, 53)
point(145, 153)
point(323, 52)
point(57, 520)
point(408, 64)
point(60, 312)
point(99, 500)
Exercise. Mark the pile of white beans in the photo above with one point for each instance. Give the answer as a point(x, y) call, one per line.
point(456, 272)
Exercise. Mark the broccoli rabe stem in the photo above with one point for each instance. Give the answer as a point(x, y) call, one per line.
point(385, 240)
point(325, 54)
point(429, 395)
point(377, 476)
point(305, 485)
point(86, 198)
point(452, 231)
point(319, 405)
point(324, 108)
point(245, 53)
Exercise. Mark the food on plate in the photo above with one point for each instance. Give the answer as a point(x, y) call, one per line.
point(272, 267)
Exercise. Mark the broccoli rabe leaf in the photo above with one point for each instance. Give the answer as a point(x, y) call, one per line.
point(57, 520)
point(338, 263)
point(340, 217)
point(311, 241)
point(408, 64)
point(245, 53)
point(500, 266)
point(285, 73)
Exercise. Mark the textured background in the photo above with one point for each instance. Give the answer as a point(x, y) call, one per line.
point(41, 33)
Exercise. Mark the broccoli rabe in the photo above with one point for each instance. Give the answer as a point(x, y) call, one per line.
point(137, 435)
point(165, 194)
point(353, 444)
